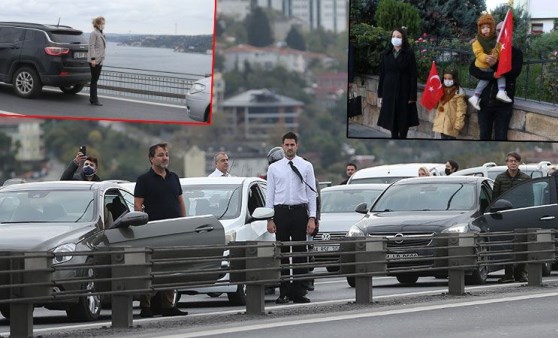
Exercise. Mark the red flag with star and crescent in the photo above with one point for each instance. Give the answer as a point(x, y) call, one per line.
point(433, 91)
point(505, 39)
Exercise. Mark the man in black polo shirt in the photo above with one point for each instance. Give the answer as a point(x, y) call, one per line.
point(159, 194)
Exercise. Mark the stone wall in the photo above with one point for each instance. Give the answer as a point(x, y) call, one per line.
point(531, 121)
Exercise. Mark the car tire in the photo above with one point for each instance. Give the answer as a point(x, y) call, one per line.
point(407, 278)
point(332, 268)
point(88, 307)
point(72, 90)
point(27, 83)
point(351, 281)
point(5, 311)
point(479, 275)
point(238, 297)
point(546, 269)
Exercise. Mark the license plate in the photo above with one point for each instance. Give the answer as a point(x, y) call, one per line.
point(402, 256)
point(326, 248)
point(80, 55)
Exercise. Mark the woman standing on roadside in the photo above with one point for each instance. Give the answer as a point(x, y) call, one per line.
point(397, 88)
point(96, 56)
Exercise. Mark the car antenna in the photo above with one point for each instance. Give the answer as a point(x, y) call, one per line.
point(58, 24)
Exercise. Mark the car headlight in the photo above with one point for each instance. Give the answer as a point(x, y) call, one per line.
point(196, 88)
point(69, 247)
point(355, 231)
point(458, 228)
point(230, 236)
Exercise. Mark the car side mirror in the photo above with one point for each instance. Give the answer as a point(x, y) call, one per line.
point(132, 218)
point(261, 213)
point(362, 208)
point(500, 205)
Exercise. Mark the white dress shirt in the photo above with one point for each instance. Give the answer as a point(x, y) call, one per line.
point(218, 173)
point(284, 186)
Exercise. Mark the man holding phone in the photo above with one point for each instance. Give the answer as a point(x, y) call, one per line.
point(89, 166)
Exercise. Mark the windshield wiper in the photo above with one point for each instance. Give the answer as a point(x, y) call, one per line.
point(229, 203)
point(84, 211)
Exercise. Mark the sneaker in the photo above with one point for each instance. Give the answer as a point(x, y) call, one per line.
point(505, 279)
point(523, 280)
point(282, 300)
point(301, 299)
point(146, 312)
point(173, 311)
point(503, 96)
point(474, 101)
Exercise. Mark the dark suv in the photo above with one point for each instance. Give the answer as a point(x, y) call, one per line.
point(33, 55)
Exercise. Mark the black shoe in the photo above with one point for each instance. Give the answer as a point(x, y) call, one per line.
point(96, 103)
point(506, 280)
point(282, 300)
point(173, 311)
point(269, 290)
point(301, 299)
point(146, 313)
point(522, 279)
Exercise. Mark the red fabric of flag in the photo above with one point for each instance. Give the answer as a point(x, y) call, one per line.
point(433, 91)
point(505, 39)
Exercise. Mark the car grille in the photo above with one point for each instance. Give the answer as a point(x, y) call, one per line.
point(332, 235)
point(401, 240)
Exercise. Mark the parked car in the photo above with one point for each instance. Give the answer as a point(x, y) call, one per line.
point(35, 55)
point(198, 100)
point(239, 204)
point(69, 216)
point(338, 212)
point(411, 211)
point(491, 170)
point(390, 173)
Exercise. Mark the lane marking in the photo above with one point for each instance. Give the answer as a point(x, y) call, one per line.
point(10, 113)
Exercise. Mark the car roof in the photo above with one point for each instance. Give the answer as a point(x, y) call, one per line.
point(218, 180)
point(50, 28)
point(492, 167)
point(402, 169)
point(363, 186)
point(442, 179)
point(61, 185)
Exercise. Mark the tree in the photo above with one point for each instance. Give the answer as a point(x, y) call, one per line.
point(295, 40)
point(394, 14)
point(521, 20)
point(362, 11)
point(258, 29)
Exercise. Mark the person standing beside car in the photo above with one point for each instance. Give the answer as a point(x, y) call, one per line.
point(503, 182)
point(158, 192)
point(221, 165)
point(96, 56)
point(349, 171)
point(451, 167)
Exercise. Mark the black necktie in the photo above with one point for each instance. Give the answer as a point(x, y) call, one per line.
point(295, 169)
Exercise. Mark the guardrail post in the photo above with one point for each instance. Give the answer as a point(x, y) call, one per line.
point(459, 247)
point(544, 241)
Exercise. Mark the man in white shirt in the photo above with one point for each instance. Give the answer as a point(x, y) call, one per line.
point(221, 165)
point(291, 192)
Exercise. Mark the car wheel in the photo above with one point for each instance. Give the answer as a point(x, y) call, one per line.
point(88, 307)
point(5, 310)
point(332, 268)
point(351, 281)
point(407, 278)
point(238, 297)
point(27, 83)
point(479, 275)
point(71, 90)
point(214, 294)
point(546, 269)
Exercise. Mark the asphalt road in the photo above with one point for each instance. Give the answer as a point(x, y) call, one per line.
point(52, 103)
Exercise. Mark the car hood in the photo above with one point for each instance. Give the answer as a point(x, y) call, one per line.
point(412, 221)
point(41, 236)
point(338, 222)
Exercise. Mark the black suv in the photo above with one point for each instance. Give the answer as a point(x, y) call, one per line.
point(33, 55)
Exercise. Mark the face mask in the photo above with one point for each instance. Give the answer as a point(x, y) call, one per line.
point(88, 171)
point(448, 83)
point(447, 171)
point(101, 27)
point(396, 42)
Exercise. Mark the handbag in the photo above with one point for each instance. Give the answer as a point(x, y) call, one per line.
point(354, 106)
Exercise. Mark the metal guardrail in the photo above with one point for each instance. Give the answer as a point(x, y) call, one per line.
point(30, 278)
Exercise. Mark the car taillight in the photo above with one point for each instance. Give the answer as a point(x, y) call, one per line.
point(64, 73)
point(57, 51)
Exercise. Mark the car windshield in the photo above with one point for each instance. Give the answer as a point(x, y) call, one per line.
point(333, 201)
point(427, 197)
point(44, 206)
point(222, 201)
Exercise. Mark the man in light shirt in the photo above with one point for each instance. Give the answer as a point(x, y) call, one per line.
point(221, 165)
point(291, 192)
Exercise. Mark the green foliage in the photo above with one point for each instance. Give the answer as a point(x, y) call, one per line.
point(392, 14)
point(295, 40)
point(362, 11)
point(521, 20)
point(258, 28)
point(369, 43)
point(545, 45)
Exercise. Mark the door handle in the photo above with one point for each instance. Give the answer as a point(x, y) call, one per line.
point(204, 228)
point(547, 218)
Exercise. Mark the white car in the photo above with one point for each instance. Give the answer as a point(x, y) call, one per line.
point(390, 173)
point(338, 213)
point(198, 100)
point(491, 170)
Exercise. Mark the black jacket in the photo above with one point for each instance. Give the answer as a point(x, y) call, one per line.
point(70, 174)
point(505, 182)
point(488, 96)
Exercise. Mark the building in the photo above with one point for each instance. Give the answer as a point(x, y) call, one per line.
point(26, 136)
point(542, 12)
point(256, 113)
point(329, 87)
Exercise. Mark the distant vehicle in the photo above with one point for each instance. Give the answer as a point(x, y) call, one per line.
point(34, 55)
point(491, 170)
point(198, 100)
point(69, 216)
point(390, 173)
point(338, 211)
point(410, 211)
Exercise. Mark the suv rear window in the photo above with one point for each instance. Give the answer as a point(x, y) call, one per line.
point(68, 37)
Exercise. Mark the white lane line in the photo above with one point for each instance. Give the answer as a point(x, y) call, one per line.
point(357, 316)
point(10, 113)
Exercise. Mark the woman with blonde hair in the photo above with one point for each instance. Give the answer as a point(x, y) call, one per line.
point(423, 171)
point(96, 56)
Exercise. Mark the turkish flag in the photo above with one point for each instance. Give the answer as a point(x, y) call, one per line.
point(433, 91)
point(505, 40)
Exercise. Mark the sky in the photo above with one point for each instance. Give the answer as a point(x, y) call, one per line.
point(168, 17)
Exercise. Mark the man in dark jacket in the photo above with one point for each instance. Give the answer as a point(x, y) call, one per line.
point(495, 114)
point(88, 171)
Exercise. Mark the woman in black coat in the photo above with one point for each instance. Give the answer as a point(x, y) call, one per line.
point(397, 90)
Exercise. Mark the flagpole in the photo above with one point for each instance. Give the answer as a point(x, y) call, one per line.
point(505, 19)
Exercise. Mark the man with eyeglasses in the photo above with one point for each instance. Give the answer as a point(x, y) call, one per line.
point(88, 169)
point(505, 181)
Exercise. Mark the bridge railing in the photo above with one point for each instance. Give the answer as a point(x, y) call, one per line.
point(119, 275)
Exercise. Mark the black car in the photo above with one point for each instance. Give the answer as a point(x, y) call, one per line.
point(34, 55)
point(410, 212)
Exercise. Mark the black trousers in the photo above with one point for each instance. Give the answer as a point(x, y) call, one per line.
point(95, 74)
point(291, 226)
point(497, 118)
